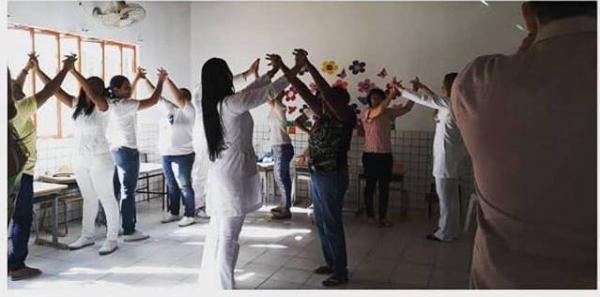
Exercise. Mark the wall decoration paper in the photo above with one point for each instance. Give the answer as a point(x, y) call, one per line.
point(340, 83)
point(383, 73)
point(365, 86)
point(357, 67)
point(342, 74)
point(329, 67)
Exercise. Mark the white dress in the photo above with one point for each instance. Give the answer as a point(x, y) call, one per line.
point(233, 185)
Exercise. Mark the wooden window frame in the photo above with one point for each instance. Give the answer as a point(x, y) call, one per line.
point(80, 39)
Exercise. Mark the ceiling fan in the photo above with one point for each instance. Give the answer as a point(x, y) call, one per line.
point(117, 14)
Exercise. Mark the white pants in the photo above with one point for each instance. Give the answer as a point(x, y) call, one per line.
point(199, 173)
point(220, 253)
point(94, 175)
point(449, 223)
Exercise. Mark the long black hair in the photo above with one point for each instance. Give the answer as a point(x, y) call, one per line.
point(116, 82)
point(83, 103)
point(217, 83)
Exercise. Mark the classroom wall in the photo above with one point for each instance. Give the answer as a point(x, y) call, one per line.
point(426, 39)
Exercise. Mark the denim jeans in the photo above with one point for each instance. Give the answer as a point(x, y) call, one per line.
point(125, 181)
point(328, 190)
point(282, 156)
point(22, 220)
point(178, 173)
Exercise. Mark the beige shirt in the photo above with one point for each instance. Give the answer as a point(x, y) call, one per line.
point(529, 123)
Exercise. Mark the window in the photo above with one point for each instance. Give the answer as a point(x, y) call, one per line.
point(97, 57)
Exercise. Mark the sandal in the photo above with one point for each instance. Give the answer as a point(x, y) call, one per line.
point(334, 281)
point(384, 223)
point(277, 209)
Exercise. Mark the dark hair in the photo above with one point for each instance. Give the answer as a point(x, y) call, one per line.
point(187, 93)
point(116, 82)
point(547, 11)
point(217, 83)
point(374, 91)
point(340, 93)
point(12, 111)
point(449, 80)
point(83, 104)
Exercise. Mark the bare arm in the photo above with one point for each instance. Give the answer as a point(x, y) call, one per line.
point(299, 123)
point(399, 110)
point(61, 95)
point(147, 103)
point(180, 100)
point(97, 98)
point(379, 109)
point(20, 80)
point(54, 85)
point(311, 100)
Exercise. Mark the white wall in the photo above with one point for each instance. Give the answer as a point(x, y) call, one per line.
point(426, 39)
point(163, 38)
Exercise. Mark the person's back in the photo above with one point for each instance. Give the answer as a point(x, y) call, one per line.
point(529, 123)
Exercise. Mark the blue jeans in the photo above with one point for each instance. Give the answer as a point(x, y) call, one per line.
point(178, 173)
point(282, 156)
point(125, 181)
point(21, 228)
point(328, 190)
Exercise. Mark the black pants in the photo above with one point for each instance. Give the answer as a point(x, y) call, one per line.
point(378, 170)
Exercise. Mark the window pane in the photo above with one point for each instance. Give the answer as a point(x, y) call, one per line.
point(112, 60)
point(46, 46)
point(128, 62)
point(18, 48)
point(68, 45)
point(91, 59)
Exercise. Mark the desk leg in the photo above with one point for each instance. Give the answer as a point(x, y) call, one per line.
point(359, 209)
point(54, 242)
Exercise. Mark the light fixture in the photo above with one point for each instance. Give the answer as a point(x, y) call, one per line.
point(485, 3)
point(520, 27)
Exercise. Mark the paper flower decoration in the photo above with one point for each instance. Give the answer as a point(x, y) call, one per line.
point(291, 109)
point(329, 67)
point(365, 85)
point(383, 73)
point(342, 74)
point(313, 87)
point(290, 94)
point(357, 67)
point(340, 83)
point(393, 83)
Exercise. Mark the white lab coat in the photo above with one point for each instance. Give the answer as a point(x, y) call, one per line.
point(201, 161)
point(233, 184)
point(448, 148)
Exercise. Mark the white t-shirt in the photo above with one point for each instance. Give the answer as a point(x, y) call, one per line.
point(90, 132)
point(278, 125)
point(123, 117)
point(176, 129)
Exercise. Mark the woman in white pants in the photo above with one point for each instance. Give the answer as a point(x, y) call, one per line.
point(232, 180)
point(92, 163)
point(448, 153)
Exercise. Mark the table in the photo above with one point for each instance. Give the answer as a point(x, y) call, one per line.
point(268, 181)
point(397, 176)
point(43, 192)
point(147, 171)
point(301, 173)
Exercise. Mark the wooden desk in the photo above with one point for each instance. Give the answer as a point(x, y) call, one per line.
point(44, 192)
point(265, 169)
point(147, 171)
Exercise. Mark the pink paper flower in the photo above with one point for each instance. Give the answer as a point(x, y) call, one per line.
point(340, 83)
point(365, 86)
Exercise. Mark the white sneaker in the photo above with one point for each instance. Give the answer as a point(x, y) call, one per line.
point(137, 235)
point(108, 247)
point(201, 213)
point(81, 243)
point(169, 218)
point(186, 221)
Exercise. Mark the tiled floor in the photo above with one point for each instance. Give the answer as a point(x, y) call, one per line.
point(273, 255)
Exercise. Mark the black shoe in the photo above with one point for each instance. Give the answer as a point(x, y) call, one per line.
point(281, 215)
point(323, 270)
point(432, 237)
point(335, 281)
point(277, 209)
point(24, 273)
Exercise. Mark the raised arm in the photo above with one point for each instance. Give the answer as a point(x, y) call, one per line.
point(61, 95)
point(20, 80)
point(399, 109)
point(180, 100)
point(54, 85)
point(300, 122)
point(147, 103)
point(342, 113)
point(311, 100)
point(430, 99)
point(98, 99)
point(379, 109)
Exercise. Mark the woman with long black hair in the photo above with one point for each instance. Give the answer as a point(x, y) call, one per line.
point(233, 182)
